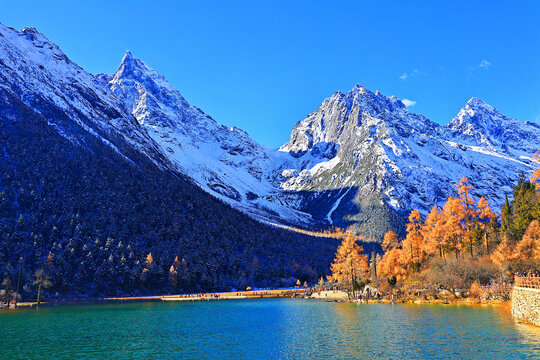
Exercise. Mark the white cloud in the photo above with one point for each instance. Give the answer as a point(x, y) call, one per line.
point(408, 103)
point(408, 75)
point(484, 64)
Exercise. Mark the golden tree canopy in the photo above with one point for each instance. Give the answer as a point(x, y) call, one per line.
point(149, 260)
point(349, 262)
point(503, 253)
point(486, 213)
point(390, 240)
point(392, 264)
point(413, 246)
point(432, 231)
point(529, 246)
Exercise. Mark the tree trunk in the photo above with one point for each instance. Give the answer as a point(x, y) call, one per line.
point(18, 286)
point(39, 289)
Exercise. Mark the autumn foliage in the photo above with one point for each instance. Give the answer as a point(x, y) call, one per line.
point(350, 265)
point(535, 178)
point(465, 231)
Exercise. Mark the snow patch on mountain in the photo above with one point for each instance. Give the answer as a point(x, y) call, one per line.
point(374, 144)
point(359, 157)
point(38, 72)
point(224, 161)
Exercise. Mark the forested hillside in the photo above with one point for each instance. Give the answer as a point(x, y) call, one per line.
point(100, 224)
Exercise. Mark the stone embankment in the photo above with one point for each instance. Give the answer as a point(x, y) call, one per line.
point(526, 299)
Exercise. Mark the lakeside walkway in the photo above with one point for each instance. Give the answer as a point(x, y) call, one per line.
point(231, 295)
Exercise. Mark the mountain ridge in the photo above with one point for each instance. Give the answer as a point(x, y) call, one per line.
point(87, 195)
point(355, 140)
point(360, 159)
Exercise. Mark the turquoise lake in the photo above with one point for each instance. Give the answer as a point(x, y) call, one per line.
point(265, 329)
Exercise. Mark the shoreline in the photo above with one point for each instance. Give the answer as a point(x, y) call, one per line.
point(327, 295)
point(229, 295)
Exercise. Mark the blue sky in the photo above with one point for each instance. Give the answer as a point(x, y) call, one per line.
point(263, 66)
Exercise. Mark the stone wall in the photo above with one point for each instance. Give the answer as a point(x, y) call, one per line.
point(526, 304)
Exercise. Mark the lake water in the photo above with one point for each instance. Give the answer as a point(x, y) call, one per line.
point(265, 329)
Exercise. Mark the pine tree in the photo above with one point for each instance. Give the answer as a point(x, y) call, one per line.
point(373, 266)
point(42, 281)
point(523, 206)
point(20, 269)
point(506, 216)
point(7, 291)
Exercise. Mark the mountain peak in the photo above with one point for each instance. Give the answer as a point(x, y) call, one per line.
point(476, 103)
point(475, 100)
point(30, 30)
point(483, 122)
point(359, 89)
point(129, 60)
point(131, 67)
point(128, 56)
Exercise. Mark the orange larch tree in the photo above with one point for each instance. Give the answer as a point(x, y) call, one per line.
point(433, 233)
point(529, 246)
point(535, 178)
point(503, 253)
point(392, 265)
point(173, 272)
point(486, 217)
point(349, 264)
point(451, 221)
point(469, 217)
point(413, 244)
point(390, 240)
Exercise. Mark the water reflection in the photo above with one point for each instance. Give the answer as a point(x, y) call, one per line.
point(266, 329)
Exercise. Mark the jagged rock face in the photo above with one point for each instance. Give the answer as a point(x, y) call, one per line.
point(38, 72)
point(377, 156)
point(361, 160)
point(480, 123)
point(224, 161)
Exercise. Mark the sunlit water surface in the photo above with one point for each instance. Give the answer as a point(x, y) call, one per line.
point(265, 329)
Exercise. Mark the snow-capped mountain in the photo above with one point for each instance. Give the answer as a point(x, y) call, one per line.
point(361, 160)
point(82, 179)
point(42, 76)
point(481, 124)
point(375, 153)
point(224, 161)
